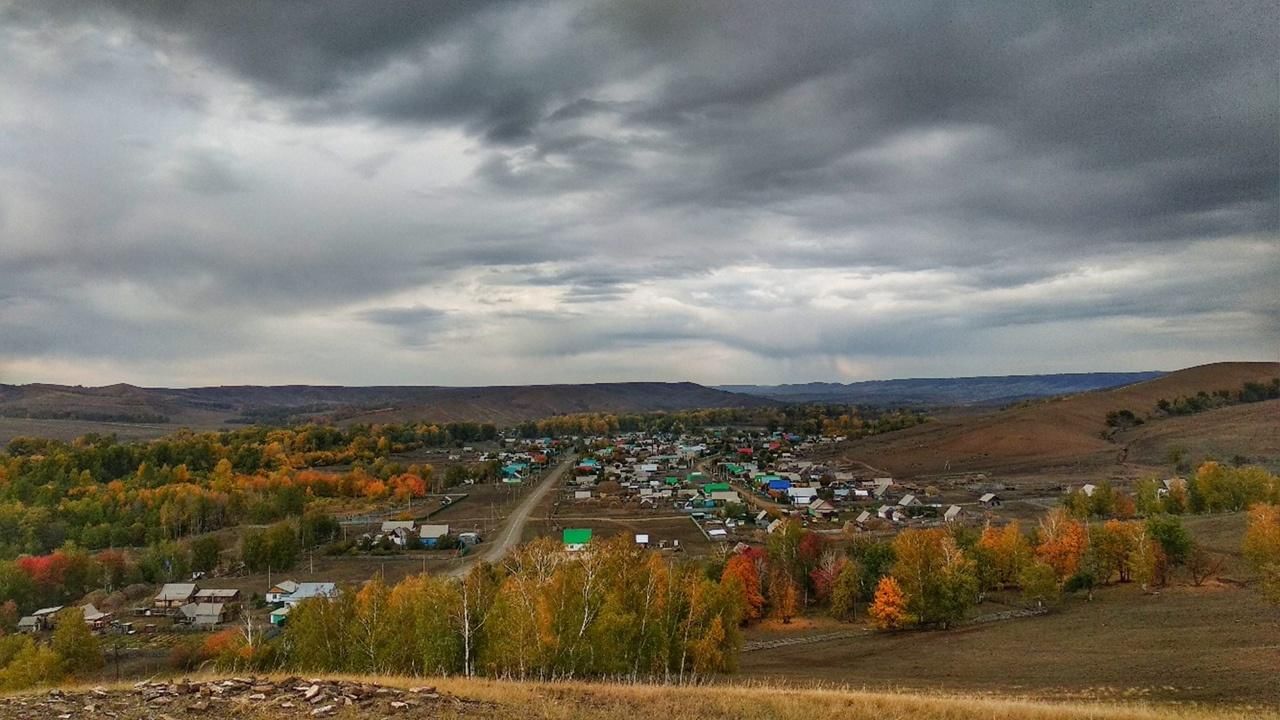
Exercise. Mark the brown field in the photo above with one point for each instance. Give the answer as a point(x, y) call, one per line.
point(1052, 442)
point(471, 698)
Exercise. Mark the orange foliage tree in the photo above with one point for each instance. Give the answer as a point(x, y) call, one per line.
point(1063, 542)
point(745, 568)
point(889, 607)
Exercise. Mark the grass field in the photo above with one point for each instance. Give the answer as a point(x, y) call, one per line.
point(573, 700)
point(1219, 643)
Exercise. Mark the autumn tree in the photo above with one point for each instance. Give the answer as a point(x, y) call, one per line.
point(938, 580)
point(1063, 541)
point(744, 567)
point(1001, 554)
point(889, 608)
point(73, 642)
point(1262, 547)
point(1039, 583)
point(845, 592)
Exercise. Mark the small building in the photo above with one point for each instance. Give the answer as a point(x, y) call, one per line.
point(777, 523)
point(174, 595)
point(725, 497)
point(1088, 489)
point(990, 500)
point(820, 508)
point(203, 614)
point(909, 500)
point(581, 494)
point(718, 534)
point(642, 539)
point(279, 615)
point(863, 517)
point(952, 514)
point(308, 590)
point(432, 536)
point(280, 591)
point(390, 526)
point(40, 620)
point(576, 539)
point(95, 618)
point(226, 596)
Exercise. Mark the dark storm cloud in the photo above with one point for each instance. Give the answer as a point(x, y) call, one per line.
point(781, 181)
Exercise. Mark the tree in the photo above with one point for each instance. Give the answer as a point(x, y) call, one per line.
point(1172, 536)
point(938, 579)
point(1262, 547)
point(204, 553)
point(1039, 583)
point(783, 596)
point(1201, 564)
point(1001, 554)
point(1062, 542)
point(744, 567)
point(75, 644)
point(889, 608)
point(845, 592)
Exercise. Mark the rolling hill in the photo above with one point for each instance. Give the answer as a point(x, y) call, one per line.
point(939, 392)
point(1062, 438)
point(210, 407)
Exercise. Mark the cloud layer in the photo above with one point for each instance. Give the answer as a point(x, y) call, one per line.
point(505, 192)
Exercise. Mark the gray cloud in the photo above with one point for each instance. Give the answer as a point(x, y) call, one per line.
point(726, 191)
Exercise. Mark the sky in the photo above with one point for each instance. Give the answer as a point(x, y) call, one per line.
point(749, 191)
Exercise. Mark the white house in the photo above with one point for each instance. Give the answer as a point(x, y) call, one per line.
point(280, 591)
point(802, 495)
point(308, 590)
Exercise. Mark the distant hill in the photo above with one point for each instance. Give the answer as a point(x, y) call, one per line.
point(945, 392)
point(1052, 439)
point(217, 406)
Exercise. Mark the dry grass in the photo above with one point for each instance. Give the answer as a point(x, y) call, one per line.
point(573, 700)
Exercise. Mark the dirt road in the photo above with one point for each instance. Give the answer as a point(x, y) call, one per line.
point(512, 529)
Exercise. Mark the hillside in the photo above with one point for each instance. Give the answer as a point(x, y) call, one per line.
point(1061, 438)
point(937, 392)
point(211, 407)
point(278, 698)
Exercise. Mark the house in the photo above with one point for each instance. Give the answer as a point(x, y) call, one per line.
point(403, 537)
point(203, 614)
point(280, 591)
point(863, 517)
point(174, 595)
point(226, 596)
point(576, 539)
point(431, 535)
point(308, 590)
point(279, 615)
point(95, 618)
point(821, 508)
point(42, 619)
point(990, 500)
point(952, 514)
point(718, 534)
point(909, 500)
point(773, 526)
point(390, 526)
point(802, 495)
point(725, 496)
point(581, 494)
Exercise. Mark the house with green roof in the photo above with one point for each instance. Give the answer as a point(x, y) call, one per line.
point(576, 539)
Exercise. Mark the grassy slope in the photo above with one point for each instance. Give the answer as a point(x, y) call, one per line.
point(1059, 437)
